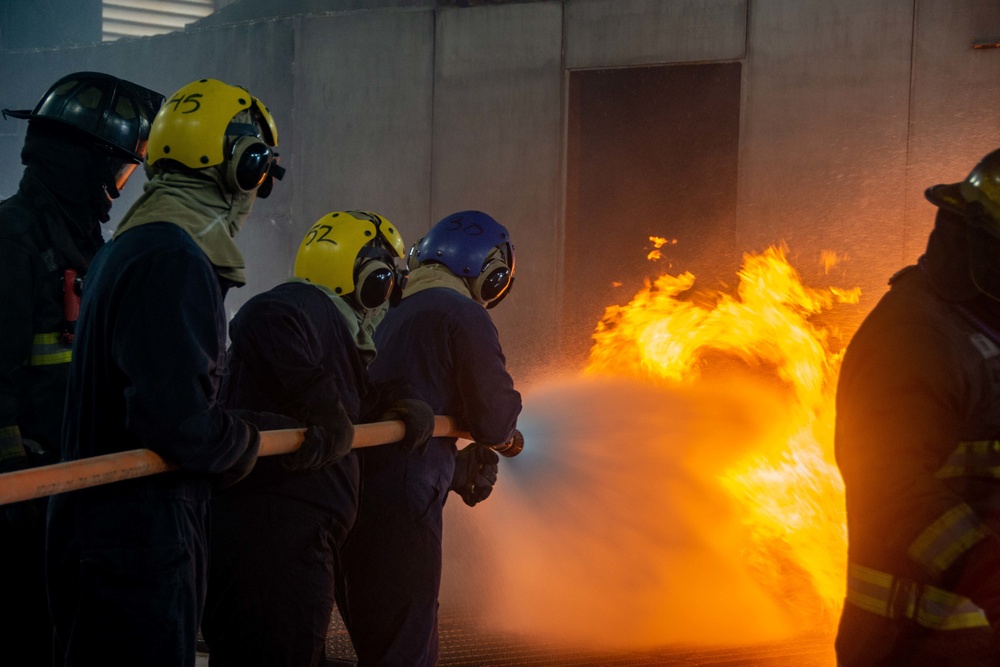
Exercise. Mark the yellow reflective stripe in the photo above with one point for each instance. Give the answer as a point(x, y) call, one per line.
point(47, 349)
point(929, 606)
point(974, 458)
point(10, 443)
point(946, 539)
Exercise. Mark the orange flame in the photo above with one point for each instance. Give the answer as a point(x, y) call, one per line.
point(791, 494)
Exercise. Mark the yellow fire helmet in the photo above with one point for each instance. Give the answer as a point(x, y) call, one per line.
point(192, 125)
point(353, 253)
point(981, 186)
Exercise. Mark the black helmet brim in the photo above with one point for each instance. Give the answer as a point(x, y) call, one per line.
point(947, 196)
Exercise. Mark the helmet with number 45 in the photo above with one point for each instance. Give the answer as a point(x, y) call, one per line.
point(208, 123)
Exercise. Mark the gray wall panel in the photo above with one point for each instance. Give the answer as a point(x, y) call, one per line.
point(824, 140)
point(955, 97)
point(611, 33)
point(419, 109)
point(364, 90)
point(165, 63)
point(497, 144)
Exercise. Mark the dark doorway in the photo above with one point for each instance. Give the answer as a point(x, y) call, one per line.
point(651, 151)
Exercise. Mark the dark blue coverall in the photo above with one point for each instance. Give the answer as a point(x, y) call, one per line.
point(127, 562)
point(446, 346)
point(276, 534)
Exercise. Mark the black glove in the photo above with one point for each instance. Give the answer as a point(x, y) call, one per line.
point(419, 420)
point(244, 464)
point(475, 473)
point(323, 446)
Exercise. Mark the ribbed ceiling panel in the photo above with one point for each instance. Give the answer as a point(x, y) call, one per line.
point(137, 18)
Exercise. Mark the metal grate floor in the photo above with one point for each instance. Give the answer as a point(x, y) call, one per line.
point(465, 646)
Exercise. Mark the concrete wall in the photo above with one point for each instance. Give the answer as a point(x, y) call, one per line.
point(416, 109)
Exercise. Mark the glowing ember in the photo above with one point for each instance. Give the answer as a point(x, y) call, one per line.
point(658, 242)
point(790, 491)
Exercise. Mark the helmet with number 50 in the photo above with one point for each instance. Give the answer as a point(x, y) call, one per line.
point(354, 254)
point(208, 123)
point(475, 247)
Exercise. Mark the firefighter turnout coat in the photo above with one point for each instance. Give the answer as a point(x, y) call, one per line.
point(918, 446)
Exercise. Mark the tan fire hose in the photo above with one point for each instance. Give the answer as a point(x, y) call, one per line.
point(96, 470)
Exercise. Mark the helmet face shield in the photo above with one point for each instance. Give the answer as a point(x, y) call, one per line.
point(122, 170)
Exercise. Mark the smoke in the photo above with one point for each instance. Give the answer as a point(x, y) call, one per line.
point(611, 529)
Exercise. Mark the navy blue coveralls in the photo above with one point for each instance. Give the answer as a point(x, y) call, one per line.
point(446, 346)
point(127, 562)
point(276, 535)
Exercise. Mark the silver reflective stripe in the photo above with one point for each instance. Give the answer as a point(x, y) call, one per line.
point(935, 608)
point(942, 542)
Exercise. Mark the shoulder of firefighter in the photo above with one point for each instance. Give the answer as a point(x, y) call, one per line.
point(41, 295)
point(918, 445)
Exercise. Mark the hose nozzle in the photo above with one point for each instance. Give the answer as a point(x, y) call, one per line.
point(511, 448)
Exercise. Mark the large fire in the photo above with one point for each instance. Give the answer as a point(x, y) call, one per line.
point(791, 492)
point(681, 489)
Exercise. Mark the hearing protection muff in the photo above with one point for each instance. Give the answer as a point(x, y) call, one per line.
point(374, 277)
point(353, 253)
point(252, 164)
point(493, 284)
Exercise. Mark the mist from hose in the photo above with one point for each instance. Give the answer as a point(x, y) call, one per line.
point(611, 528)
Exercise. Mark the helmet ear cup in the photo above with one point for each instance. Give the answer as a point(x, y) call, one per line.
point(248, 165)
point(373, 283)
point(493, 282)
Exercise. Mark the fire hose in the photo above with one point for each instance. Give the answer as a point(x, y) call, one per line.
point(97, 470)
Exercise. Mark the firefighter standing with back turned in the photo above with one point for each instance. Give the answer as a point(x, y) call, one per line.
point(303, 349)
point(441, 339)
point(918, 445)
point(85, 137)
point(127, 562)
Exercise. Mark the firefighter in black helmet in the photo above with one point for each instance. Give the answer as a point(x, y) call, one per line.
point(84, 139)
point(918, 446)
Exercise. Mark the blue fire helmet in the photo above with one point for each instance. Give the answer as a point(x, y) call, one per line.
point(473, 246)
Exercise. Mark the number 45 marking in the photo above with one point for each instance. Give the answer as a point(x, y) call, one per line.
point(190, 100)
